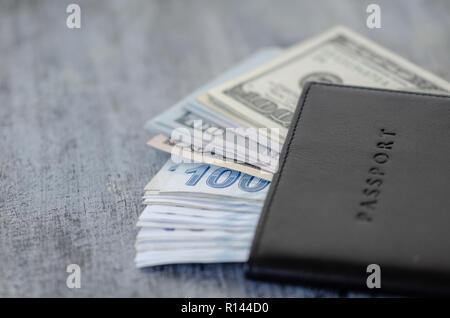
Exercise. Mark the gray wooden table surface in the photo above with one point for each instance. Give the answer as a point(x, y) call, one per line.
point(74, 160)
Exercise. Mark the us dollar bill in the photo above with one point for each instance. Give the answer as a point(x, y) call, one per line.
point(268, 95)
point(189, 153)
point(191, 120)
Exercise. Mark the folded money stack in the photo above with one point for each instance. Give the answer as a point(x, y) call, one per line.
point(204, 204)
point(198, 213)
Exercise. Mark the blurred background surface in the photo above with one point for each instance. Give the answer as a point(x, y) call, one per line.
point(73, 103)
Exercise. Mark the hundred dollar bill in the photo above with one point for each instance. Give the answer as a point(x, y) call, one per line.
point(183, 116)
point(246, 145)
point(268, 95)
point(191, 153)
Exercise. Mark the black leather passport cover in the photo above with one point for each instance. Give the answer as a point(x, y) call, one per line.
point(364, 178)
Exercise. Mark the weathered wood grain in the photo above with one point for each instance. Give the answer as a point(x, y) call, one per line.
point(73, 103)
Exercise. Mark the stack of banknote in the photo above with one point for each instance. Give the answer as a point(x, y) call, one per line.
point(225, 138)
